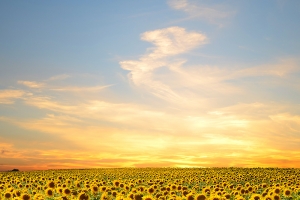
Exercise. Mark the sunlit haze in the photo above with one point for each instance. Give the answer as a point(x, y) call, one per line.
point(178, 83)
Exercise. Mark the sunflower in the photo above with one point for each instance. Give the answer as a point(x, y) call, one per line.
point(74, 193)
point(243, 191)
point(235, 193)
point(138, 197)
point(8, 195)
point(179, 187)
point(38, 197)
point(151, 190)
point(67, 191)
point(78, 184)
point(256, 197)
point(231, 186)
point(141, 188)
point(200, 197)
point(172, 198)
point(250, 189)
point(63, 198)
point(120, 197)
point(205, 190)
point(148, 197)
point(190, 196)
point(173, 187)
point(264, 194)
point(179, 198)
point(130, 195)
point(216, 197)
point(226, 195)
point(33, 192)
point(17, 193)
point(104, 196)
point(68, 181)
point(277, 190)
point(103, 188)
point(287, 192)
point(49, 192)
point(95, 189)
point(114, 193)
point(239, 187)
point(83, 196)
point(25, 197)
point(185, 193)
point(59, 190)
point(268, 197)
point(127, 187)
point(271, 193)
point(276, 196)
point(51, 184)
point(238, 197)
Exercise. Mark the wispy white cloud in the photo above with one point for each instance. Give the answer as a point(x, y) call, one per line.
point(172, 41)
point(168, 42)
point(59, 77)
point(195, 10)
point(47, 86)
point(280, 68)
point(193, 86)
point(32, 84)
point(9, 96)
point(80, 89)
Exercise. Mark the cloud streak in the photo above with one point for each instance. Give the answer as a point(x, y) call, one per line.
point(192, 86)
point(81, 89)
point(32, 84)
point(167, 42)
point(9, 96)
point(212, 14)
point(47, 86)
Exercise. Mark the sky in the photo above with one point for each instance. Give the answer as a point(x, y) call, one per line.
point(175, 83)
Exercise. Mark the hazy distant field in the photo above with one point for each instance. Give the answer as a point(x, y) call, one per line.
point(152, 183)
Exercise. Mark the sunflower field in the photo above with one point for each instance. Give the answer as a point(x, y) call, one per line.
point(152, 183)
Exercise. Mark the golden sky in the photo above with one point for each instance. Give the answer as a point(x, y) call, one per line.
point(156, 84)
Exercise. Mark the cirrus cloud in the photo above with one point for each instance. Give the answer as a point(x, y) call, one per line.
point(195, 10)
point(9, 96)
point(167, 42)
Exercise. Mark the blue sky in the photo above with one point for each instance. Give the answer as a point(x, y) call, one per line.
point(217, 76)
